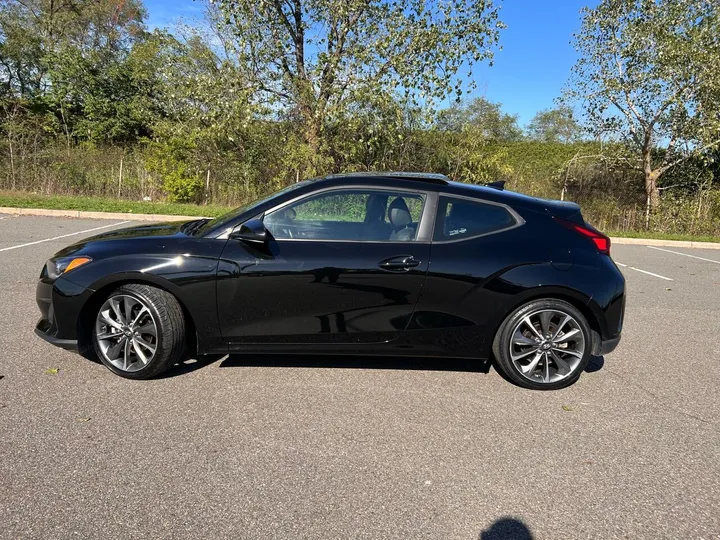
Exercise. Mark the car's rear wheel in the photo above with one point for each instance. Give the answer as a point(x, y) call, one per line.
point(543, 345)
point(139, 331)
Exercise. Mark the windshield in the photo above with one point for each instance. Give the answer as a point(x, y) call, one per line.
point(232, 214)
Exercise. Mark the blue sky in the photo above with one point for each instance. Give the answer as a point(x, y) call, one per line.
point(528, 73)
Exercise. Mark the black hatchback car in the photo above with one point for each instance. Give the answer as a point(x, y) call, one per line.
point(393, 264)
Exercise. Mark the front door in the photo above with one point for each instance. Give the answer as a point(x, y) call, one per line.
point(342, 266)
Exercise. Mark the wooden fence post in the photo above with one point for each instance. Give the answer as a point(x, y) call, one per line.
point(120, 177)
point(207, 188)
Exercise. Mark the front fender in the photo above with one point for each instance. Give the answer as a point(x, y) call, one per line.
point(191, 279)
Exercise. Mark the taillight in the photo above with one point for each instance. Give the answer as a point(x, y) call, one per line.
point(602, 242)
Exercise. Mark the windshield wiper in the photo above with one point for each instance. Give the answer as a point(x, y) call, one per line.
point(192, 226)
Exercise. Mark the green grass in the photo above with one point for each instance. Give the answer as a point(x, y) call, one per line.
point(102, 204)
point(663, 236)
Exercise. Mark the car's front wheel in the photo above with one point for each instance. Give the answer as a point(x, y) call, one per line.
point(543, 345)
point(139, 331)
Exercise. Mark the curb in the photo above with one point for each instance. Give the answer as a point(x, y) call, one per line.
point(666, 243)
point(93, 215)
point(164, 217)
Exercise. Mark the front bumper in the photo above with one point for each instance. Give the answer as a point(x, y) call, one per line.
point(60, 302)
point(67, 344)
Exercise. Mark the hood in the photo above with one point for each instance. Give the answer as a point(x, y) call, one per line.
point(114, 239)
point(168, 228)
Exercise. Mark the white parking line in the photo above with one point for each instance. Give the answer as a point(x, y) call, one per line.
point(685, 254)
point(644, 271)
point(63, 236)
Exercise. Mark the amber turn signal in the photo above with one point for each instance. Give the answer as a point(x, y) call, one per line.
point(76, 262)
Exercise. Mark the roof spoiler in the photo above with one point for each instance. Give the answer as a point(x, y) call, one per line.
point(500, 184)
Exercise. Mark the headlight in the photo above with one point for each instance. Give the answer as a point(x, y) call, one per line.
point(63, 265)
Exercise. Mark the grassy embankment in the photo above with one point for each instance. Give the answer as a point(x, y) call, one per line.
point(101, 204)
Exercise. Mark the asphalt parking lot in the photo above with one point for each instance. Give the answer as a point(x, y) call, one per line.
point(267, 447)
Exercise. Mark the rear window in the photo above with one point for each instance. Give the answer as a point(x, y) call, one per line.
point(461, 218)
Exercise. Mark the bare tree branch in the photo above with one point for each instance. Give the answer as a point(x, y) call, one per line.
point(687, 156)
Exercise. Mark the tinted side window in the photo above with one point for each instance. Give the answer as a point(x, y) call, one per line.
point(462, 218)
point(353, 214)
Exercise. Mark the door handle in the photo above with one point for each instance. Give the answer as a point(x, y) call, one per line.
point(399, 263)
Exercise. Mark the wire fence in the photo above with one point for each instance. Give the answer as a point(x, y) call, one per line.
point(611, 199)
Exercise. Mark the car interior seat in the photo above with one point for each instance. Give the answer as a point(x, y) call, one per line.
point(375, 227)
point(401, 221)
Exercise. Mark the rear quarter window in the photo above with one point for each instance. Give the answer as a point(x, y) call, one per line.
point(462, 218)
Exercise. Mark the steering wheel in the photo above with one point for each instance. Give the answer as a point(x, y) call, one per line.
point(282, 222)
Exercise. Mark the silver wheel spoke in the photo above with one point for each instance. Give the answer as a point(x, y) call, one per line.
point(533, 364)
point(140, 341)
point(147, 328)
point(115, 305)
point(142, 312)
point(568, 335)
point(110, 335)
point(568, 351)
point(531, 326)
point(523, 354)
point(547, 345)
point(126, 333)
point(114, 351)
point(141, 355)
point(523, 341)
point(107, 319)
point(566, 319)
point(561, 364)
point(126, 356)
point(128, 303)
point(545, 317)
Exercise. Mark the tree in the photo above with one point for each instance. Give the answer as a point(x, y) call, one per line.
point(555, 125)
point(20, 52)
point(202, 109)
point(649, 74)
point(311, 59)
point(67, 59)
point(485, 118)
point(33, 31)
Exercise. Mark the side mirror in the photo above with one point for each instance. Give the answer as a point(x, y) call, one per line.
point(251, 231)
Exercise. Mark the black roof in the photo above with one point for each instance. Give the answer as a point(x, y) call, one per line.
point(423, 177)
point(492, 191)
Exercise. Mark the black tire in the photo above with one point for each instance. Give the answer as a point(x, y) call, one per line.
point(170, 321)
point(502, 344)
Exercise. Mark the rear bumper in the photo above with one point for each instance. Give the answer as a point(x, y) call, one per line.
point(67, 344)
point(608, 345)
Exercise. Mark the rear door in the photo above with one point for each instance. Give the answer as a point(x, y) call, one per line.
point(345, 265)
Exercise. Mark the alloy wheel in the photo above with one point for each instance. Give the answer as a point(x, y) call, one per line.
point(126, 332)
point(547, 346)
